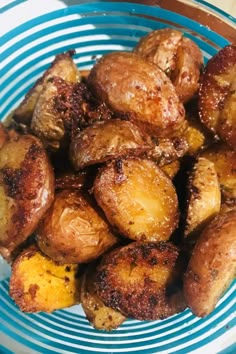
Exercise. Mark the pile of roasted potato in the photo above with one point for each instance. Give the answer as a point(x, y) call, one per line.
point(118, 185)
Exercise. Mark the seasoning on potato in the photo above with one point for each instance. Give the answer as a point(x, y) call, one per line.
point(212, 266)
point(178, 56)
point(26, 190)
point(62, 67)
point(204, 198)
point(128, 83)
point(72, 231)
point(142, 280)
point(224, 159)
point(138, 199)
point(38, 283)
point(217, 95)
point(99, 315)
point(107, 140)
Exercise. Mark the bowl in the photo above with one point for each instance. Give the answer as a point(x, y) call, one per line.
point(32, 34)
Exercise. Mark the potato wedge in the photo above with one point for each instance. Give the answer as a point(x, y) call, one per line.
point(63, 67)
point(99, 315)
point(26, 190)
point(217, 95)
point(204, 198)
point(212, 266)
point(73, 231)
point(128, 83)
point(107, 140)
point(38, 283)
point(178, 56)
point(224, 160)
point(141, 280)
point(138, 199)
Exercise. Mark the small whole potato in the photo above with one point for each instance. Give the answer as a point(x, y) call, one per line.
point(212, 265)
point(178, 56)
point(138, 199)
point(217, 95)
point(72, 230)
point(128, 83)
point(26, 190)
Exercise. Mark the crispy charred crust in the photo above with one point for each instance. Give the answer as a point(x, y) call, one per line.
point(29, 189)
point(24, 112)
point(126, 280)
point(215, 88)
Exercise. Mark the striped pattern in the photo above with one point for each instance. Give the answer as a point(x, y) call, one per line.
point(26, 51)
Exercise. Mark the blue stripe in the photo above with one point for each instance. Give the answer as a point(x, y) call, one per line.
point(4, 350)
point(11, 5)
point(217, 10)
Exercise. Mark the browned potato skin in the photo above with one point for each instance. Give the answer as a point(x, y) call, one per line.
point(204, 198)
point(186, 75)
point(26, 190)
point(63, 67)
point(73, 231)
point(217, 95)
point(212, 265)
point(179, 57)
point(224, 160)
point(107, 140)
point(128, 83)
point(38, 283)
point(141, 280)
point(138, 199)
point(70, 180)
point(160, 47)
point(98, 314)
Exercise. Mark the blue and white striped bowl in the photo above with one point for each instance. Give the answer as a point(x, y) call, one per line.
point(33, 32)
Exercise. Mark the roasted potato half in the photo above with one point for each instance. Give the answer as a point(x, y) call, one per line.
point(217, 95)
point(26, 190)
point(141, 280)
point(212, 266)
point(138, 199)
point(224, 160)
point(63, 67)
point(179, 57)
point(72, 231)
point(99, 315)
point(128, 83)
point(107, 140)
point(38, 283)
point(204, 198)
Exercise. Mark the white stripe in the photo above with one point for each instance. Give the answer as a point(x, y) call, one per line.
point(183, 335)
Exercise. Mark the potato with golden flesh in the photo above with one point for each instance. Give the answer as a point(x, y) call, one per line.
point(99, 315)
point(138, 199)
point(73, 231)
point(178, 56)
point(26, 190)
point(107, 140)
point(142, 280)
point(224, 160)
point(63, 67)
point(204, 198)
point(212, 266)
point(128, 83)
point(217, 95)
point(38, 283)
point(171, 169)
